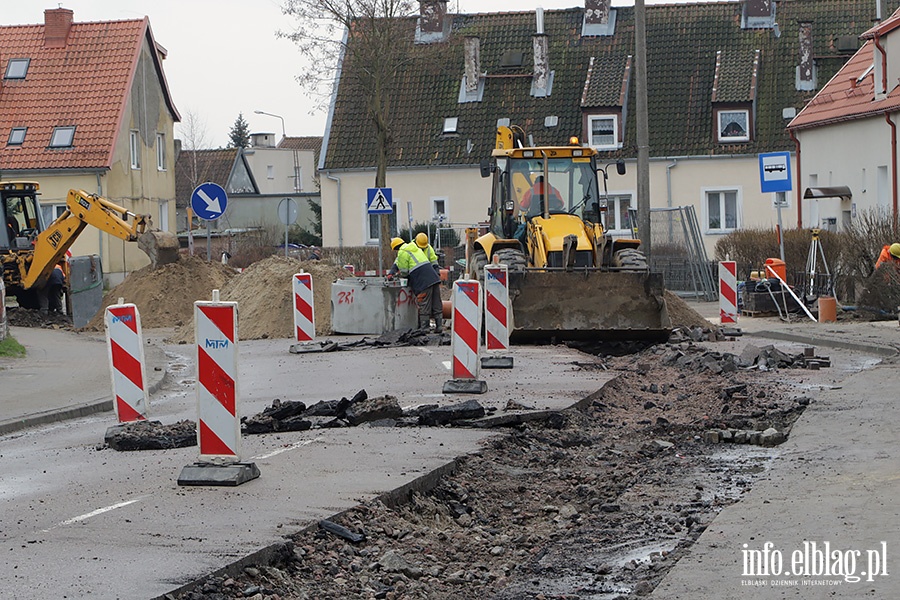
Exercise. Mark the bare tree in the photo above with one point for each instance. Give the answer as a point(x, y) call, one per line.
point(362, 36)
point(193, 132)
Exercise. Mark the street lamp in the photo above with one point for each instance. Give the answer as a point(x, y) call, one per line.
point(260, 112)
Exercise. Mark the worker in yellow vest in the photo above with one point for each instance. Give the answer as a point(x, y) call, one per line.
point(417, 262)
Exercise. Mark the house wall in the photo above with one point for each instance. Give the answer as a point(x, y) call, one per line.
point(468, 195)
point(866, 170)
point(262, 211)
point(275, 184)
point(149, 189)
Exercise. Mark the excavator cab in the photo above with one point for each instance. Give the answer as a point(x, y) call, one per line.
point(21, 215)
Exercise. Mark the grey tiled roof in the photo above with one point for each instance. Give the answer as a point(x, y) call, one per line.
point(212, 165)
point(682, 41)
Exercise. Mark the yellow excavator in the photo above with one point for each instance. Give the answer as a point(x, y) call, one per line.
point(29, 251)
point(568, 277)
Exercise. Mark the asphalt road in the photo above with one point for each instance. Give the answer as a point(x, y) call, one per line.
point(78, 520)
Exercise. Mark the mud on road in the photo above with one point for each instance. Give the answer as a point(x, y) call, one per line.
point(596, 502)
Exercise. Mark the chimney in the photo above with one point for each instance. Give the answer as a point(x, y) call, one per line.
point(805, 70)
point(473, 64)
point(433, 24)
point(540, 85)
point(57, 23)
point(596, 12)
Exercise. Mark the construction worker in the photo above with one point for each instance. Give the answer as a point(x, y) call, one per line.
point(531, 201)
point(889, 254)
point(414, 261)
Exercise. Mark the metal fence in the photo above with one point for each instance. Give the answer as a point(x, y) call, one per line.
point(679, 253)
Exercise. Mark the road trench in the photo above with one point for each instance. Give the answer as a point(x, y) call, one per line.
point(596, 501)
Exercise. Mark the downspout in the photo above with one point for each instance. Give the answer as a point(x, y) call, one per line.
point(884, 89)
point(100, 232)
point(669, 168)
point(339, 216)
point(799, 181)
point(887, 117)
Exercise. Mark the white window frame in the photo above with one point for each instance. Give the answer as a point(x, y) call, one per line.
point(160, 152)
point(134, 149)
point(434, 209)
point(62, 134)
point(270, 171)
point(367, 223)
point(51, 212)
point(163, 215)
point(613, 226)
point(732, 138)
point(590, 131)
point(298, 178)
point(704, 204)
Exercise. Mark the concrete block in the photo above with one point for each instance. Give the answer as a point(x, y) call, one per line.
point(496, 362)
point(465, 386)
point(223, 475)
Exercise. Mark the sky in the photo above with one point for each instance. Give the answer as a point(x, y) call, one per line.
point(224, 58)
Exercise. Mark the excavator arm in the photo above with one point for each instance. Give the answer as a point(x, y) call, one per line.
point(83, 209)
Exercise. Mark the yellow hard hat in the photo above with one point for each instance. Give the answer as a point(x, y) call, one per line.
point(422, 240)
point(396, 243)
point(895, 250)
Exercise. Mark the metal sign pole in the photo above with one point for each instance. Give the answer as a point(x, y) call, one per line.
point(380, 259)
point(779, 202)
point(285, 240)
point(208, 244)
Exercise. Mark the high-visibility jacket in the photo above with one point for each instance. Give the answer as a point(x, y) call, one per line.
point(531, 200)
point(887, 257)
point(413, 263)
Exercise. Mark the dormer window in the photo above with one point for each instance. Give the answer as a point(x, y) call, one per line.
point(17, 68)
point(62, 137)
point(734, 125)
point(603, 132)
point(16, 136)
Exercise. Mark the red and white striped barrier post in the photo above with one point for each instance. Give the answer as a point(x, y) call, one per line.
point(218, 421)
point(496, 317)
point(125, 342)
point(304, 309)
point(728, 312)
point(465, 339)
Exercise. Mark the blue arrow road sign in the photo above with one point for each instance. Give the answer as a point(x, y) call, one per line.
point(380, 201)
point(209, 201)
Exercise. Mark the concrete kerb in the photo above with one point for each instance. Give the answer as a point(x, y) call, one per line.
point(155, 379)
point(885, 351)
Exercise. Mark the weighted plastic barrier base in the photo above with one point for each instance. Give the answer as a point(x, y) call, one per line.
point(496, 362)
point(209, 474)
point(465, 386)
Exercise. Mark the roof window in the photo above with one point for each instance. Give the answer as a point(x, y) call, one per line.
point(16, 68)
point(450, 124)
point(62, 137)
point(16, 136)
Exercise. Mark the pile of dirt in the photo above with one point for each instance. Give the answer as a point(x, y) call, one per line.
point(683, 316)
point(265, 298)
point(165, 296)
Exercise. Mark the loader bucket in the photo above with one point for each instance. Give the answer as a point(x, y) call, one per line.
point(588, 305)
point(160, 246)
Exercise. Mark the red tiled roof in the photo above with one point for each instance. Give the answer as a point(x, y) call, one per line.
point(884, 27)
point(845, 97)
point(85, 84)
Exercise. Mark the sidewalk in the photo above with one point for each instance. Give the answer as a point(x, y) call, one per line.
point(63, 376)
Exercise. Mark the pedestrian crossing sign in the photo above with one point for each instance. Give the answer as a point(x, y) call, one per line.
point(380, 201)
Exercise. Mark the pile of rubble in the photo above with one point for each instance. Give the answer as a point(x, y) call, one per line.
point(383, 411)
point(151, 435)
point(767, 358)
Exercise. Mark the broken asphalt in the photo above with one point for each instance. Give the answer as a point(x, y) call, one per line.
point(835, 480)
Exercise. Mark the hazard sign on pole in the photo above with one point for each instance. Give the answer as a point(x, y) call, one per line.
point(218, 422)
point(380, 201)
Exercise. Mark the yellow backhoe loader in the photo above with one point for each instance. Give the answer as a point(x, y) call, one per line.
point(29, 251)
point(568, 277)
